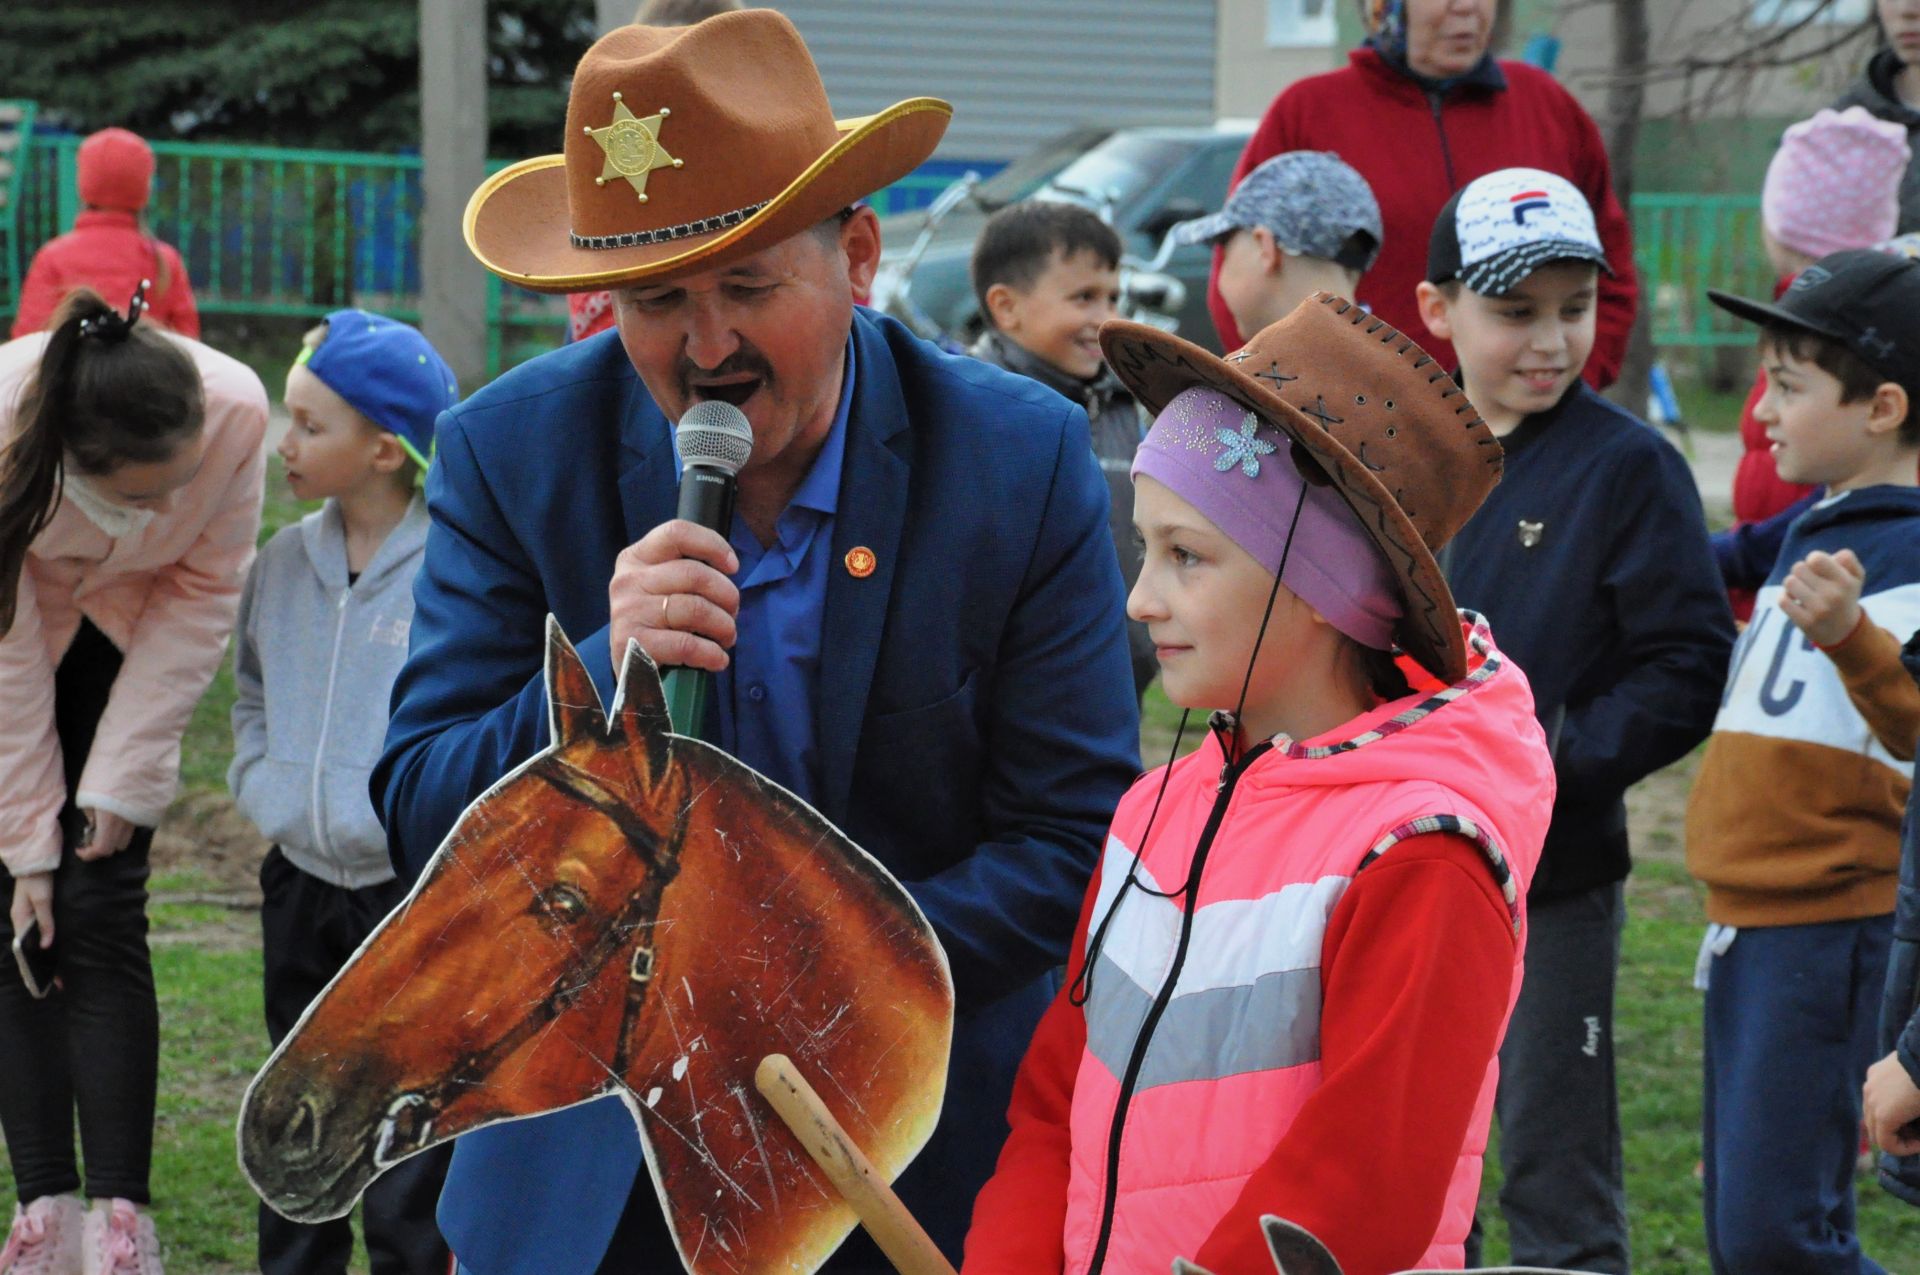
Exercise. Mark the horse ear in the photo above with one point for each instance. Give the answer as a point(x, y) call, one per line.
point(573, 705)
point(640, 709)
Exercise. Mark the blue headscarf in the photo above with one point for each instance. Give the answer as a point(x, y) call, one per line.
point(1387, 36)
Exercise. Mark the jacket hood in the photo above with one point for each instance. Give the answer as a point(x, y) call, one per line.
point(1091, 393)
point(1874, 90)
point(1865, 504)
point(1478, 737)
point(324, 535)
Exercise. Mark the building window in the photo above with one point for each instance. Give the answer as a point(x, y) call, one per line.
point(1293, 24)
point(1786, 13)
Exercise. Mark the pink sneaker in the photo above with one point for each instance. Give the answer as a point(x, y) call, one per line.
point(119, 1240)
point(45, 1239)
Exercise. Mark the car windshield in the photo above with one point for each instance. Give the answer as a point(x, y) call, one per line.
point(1111, 174)
point(1025, 175)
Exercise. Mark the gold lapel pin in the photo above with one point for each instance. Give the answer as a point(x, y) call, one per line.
point(861, 562)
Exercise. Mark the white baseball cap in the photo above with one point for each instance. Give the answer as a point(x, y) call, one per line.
point(1498, 229)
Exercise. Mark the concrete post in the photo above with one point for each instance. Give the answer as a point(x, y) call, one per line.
point(614, 13)
point(453, 149)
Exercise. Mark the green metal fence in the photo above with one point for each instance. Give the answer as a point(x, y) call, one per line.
point(1685, 244)
point(269, 231)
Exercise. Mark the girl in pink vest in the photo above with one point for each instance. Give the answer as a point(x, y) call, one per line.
point(1296, 960)
point(130, 486)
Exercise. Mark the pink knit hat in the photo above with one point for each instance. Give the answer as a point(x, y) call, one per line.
point(116, 171)
point(1835, 182)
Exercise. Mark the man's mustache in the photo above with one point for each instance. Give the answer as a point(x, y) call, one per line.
point(739, 363)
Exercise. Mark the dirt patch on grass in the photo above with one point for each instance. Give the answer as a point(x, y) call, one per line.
point(1657, 811)
point(206, 838)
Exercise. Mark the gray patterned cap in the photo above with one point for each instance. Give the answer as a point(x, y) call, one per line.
point(1314, 202)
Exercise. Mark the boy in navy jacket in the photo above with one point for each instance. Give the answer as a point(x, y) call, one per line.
point(1590, 559)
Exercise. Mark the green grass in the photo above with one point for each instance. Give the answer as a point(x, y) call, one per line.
point(1708, 409)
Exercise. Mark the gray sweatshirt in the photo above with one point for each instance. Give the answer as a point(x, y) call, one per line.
point(314, 668)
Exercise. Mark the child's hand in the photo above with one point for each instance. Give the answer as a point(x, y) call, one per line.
point(1822, 595)
point(32, 901)
point(1891, 1104)
point(107, 834)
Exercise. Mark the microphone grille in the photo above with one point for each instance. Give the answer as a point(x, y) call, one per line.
point(714, 433)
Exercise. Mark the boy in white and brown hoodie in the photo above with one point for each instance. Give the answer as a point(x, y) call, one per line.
point(1794, 823)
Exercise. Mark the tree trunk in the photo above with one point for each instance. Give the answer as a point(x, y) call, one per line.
point(1626, 100)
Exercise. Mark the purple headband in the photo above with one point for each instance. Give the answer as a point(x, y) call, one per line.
point(1208, 450)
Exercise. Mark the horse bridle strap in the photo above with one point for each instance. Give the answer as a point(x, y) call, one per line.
point(641, 908)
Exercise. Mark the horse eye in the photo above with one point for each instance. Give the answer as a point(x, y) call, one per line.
point(559, 902)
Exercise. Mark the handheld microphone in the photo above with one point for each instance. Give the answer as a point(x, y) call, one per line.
point(714, 442)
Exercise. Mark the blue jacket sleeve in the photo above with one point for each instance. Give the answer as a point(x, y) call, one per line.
point(1746, 553)
point(1671, 635)
point(464, 709)
point(1062, 743)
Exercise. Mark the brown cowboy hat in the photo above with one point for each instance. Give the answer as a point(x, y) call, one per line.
point(1374, 414)
point(686, 148)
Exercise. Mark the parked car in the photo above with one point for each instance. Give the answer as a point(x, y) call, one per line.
point(1143, 180)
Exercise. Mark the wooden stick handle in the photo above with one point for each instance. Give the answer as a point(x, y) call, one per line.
point(887, 1220)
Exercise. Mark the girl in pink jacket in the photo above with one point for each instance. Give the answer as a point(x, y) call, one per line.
point(130, 490)
point(1299, 951)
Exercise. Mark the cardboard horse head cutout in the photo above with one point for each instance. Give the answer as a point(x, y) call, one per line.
point(631, 912)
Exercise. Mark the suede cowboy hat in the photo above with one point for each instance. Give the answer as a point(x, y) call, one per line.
point(687, 148)
point(1368, 411)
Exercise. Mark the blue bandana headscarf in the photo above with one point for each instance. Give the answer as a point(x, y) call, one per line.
point(1387, 35)
point(1387, 29)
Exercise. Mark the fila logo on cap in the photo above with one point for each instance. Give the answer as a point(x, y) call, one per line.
point(1502, 227)
point(1528, 201)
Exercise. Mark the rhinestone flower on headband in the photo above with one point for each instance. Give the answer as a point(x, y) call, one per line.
point(1242, 449)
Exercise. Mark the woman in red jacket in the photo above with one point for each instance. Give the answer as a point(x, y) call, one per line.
point(1421, 109)
point(110, 248)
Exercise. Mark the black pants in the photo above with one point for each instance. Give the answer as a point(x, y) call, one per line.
point(93, 1045)
point(309, 929)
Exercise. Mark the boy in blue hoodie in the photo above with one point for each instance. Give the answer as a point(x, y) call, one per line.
point(322, 634)
point(1794, 822)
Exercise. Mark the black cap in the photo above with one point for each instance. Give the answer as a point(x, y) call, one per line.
point(1867, 300)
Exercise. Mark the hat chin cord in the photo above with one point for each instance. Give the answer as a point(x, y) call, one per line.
point(1235, 750)
point(1082, 986)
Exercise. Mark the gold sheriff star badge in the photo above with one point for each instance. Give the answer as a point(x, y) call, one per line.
point(633, 147)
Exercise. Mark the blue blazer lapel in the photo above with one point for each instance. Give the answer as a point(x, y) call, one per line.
point(872, 512)
point(649, 485)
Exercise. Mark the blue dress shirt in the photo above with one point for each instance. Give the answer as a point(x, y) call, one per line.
point(766, 700)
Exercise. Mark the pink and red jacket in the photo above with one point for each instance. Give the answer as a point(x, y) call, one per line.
point(166, 596)
point(1325, 1003)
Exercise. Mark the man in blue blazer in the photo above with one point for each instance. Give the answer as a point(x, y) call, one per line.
point(915, 621)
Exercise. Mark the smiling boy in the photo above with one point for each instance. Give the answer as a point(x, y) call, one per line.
point(1794, 823)
point(1590, 560)
point(1047, 275)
